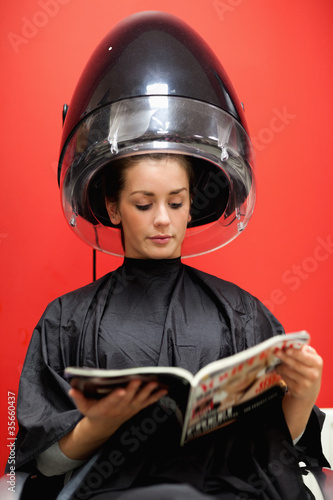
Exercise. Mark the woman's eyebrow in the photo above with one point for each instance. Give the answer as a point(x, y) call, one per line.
point(148, 193)
point(177, 191)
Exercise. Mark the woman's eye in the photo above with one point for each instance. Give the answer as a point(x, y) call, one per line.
point(142, 207)
point(176, 205)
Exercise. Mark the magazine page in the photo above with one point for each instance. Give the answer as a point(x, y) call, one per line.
point(97, 383)
point(237, 385)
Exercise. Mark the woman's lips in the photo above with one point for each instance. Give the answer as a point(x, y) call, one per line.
point(161, 238)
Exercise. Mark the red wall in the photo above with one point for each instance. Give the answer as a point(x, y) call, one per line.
point(279, 57)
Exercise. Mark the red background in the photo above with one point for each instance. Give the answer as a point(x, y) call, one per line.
point(279, 57)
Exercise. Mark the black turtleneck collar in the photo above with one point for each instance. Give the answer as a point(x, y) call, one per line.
point(152, 267)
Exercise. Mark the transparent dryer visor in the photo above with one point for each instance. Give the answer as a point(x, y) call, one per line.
point(215, 142)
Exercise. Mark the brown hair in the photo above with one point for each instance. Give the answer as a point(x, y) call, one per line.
point(114, 177)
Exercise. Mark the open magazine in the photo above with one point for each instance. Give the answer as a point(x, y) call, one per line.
point(217, 395)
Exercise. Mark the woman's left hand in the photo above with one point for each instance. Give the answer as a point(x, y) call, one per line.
point(301, 369)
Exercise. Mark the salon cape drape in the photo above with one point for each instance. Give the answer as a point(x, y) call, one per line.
point(255, 456)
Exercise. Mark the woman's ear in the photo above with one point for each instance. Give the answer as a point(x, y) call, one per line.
point(189, 218)
point(111, 207)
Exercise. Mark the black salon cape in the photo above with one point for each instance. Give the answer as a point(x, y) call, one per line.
point(251, 459)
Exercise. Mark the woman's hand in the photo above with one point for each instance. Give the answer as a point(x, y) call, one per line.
point(104, 416)
point(301, 369)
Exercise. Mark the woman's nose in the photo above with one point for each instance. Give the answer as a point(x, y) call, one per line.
point(161, 216)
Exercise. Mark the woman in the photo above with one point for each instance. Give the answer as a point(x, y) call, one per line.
point(122, 198)
point(147, 321)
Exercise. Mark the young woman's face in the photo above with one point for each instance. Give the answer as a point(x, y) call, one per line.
point(154, 209)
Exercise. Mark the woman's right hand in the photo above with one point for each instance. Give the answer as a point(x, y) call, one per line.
point(104, 416)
